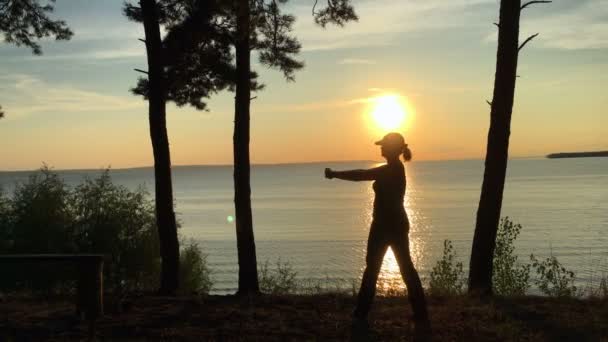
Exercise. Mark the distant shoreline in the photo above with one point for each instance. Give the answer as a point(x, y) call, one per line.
point(317, 162)
point(577, 154)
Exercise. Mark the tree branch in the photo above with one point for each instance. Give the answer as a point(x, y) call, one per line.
point(142, 40)
point(489, 103)
point(143, 72)
point(37, 14)
point(131, 7)
point(527, 41)
point(314, 6)
point(534, 2)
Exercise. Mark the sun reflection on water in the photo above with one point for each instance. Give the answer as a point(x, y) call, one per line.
point(390, 281)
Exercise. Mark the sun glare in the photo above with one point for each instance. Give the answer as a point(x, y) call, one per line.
point(388, 112)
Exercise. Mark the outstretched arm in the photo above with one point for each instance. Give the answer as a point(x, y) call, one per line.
point(355, 175)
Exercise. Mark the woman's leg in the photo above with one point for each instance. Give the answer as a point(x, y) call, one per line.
point(415, 292)
point(376, 248)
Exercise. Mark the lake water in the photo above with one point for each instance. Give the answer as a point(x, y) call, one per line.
point(320, 226)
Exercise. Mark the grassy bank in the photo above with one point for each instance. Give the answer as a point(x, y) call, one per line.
point(308, 318)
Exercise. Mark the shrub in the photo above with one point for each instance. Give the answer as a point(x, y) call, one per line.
point(603, 288)
point(278, 281)
point(447, 276)
point(38, 220)
point(41, 215)
point(5, 224)
point(508, 276)
point(392, 287)
point(553, 279)
point(45, 216)
point(120, 223)
point(194, 274)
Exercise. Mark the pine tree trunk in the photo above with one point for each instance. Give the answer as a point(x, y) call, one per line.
point(488, 213)
point(165, 214)
point(248, 273)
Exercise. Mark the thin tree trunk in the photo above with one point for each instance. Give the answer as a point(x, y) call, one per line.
point(490, 202)
point(248, 273)
point(165, 214)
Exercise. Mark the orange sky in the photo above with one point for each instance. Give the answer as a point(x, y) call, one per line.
point(71, 107)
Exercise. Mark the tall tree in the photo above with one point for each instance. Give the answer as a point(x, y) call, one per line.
point(262, 22)
point(168, 64)
point(261, 26)
point(23, 22)
point(248, 273)
point(245, 26)
point(157, 116)
point(490, 202)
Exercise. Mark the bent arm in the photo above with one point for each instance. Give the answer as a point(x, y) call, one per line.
point(358, 175)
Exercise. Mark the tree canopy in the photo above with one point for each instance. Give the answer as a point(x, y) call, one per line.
point(197, 58)
point(24, 21)
point(198, 47)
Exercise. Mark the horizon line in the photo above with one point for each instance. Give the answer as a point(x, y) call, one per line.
point(109, 167)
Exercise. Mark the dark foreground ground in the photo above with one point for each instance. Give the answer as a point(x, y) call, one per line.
point(306, 318)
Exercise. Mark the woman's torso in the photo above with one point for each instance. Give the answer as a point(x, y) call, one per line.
point(389, 191)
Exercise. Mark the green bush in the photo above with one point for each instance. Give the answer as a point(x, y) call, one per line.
point(447, 276)
point(553, 279)
point(279, 280)
point(45, 216)
point(603, 288)
point(120, 223)
point(5, 223)
point(194, 274)
point(392, 287)
point(509, 277)
point(42, 221)
point(38, 220)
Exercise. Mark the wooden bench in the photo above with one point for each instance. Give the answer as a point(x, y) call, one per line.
point(89, 288)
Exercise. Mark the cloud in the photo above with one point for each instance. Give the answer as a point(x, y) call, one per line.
point(356, 61)
point(565, 24)
point(582, 27)
point(313, 106)
point(25, 95)
point(344, 103)
point(95, 54)
point(381, 22)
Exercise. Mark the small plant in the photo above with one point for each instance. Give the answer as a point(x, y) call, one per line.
point(553, 279)
point(391, 287)
point(309, 286)
point(278, 281)
point(194, 273)
point(603, 291)
point(599, 292)
point(5, 223)
point(509, 278)
point(447, 276)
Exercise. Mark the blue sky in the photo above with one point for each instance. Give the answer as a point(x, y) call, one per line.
point(71, 107)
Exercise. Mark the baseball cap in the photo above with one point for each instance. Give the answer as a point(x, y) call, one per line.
point(392, 139)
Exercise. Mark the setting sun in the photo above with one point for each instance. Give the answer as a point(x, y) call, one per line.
point(388, 112)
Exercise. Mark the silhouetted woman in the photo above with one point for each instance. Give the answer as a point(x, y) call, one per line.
point(390, 227)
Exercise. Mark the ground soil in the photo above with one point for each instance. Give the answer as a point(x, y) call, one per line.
point(304, 318)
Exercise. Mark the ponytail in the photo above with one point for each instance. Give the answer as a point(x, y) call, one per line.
point(407, 153)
